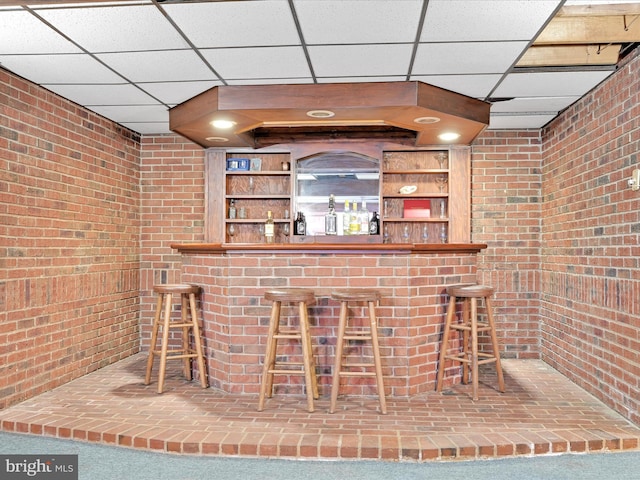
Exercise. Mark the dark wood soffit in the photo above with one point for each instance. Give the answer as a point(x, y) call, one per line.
point(384, 109)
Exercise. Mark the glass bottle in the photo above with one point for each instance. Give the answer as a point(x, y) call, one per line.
point(331, 219)
point(300, 226)
point(232, 208)
point(269, 228)
point(374, 224)
point(363, 215)
point(354, 221)
point(346, 218)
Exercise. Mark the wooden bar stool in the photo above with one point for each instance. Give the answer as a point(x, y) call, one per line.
point(188, 324)
point(372, 297)
point(470, 327)
point(271, 367)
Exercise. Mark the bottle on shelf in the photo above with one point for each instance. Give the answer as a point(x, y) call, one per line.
point(364, 219)
point(300, 225)
point(346, 218)
point(354, 220)
point(331, 218)
point(232, 208)
point(374, 224)
point(269, 228)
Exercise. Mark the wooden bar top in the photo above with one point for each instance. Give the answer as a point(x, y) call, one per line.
point(328, 248)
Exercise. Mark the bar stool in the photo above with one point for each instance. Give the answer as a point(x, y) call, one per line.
point(188, 324)
point(372, 297)
point(271, 366)
point(470, 327)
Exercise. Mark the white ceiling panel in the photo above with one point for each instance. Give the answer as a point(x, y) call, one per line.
point(468, 57)
point(232, 24)
point(116, 29)
point(472, 20)
point(21, 32)
point(123, 94)
point(134, 113)
point(360, 79)
point(529, 105)
point(477, 86)
point(549, 84)
point(509, 122)
point(159, 66)
point(71, 68)
point(251, 63)
point(355, 21)
point(148, 128)
point(360, 60)
point(173, 93)
point(269, 81)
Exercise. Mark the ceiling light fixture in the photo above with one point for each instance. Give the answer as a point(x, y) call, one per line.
point(320, 113)
point(217, 139)
point(449, 136)
point(223, 124)
point(426, 120)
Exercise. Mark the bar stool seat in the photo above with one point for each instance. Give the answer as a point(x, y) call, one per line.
point(470, 327)
point(188, 324)
point(271, 365)
point(371, 297)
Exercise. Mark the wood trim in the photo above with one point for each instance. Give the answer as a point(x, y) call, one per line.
point(328, 248)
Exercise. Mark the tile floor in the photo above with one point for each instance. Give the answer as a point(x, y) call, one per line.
point(541, 413)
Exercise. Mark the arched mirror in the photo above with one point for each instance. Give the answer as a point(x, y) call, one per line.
point(349, 176)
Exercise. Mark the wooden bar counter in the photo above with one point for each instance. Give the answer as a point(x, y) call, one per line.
point(411, 278)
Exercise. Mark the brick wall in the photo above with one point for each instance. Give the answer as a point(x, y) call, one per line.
point(506, 204)
point(590, 280)
point(69, 232)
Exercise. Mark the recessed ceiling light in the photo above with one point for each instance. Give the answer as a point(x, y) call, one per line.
point(217, 139)
point(449, 136)
point(224, 124)
point(320, 113)
point(426, 120)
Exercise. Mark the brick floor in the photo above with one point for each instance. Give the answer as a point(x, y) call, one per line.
point(541, 413)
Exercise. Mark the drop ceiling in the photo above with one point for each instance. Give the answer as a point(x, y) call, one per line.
point(132, 61)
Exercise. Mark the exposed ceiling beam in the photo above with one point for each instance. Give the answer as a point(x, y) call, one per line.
point(591, 30)
point(555, 55)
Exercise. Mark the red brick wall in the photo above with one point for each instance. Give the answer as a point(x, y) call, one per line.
point(172, 211)
point(69, 233)
point(506, 204)
point(590, 280)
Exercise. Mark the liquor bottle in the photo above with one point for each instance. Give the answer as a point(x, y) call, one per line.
point(232, 208)
point(331, 219)
point(374, 224)
point(364, 219)
point(300, 226)
point(269, 228)
point(346, 218)
point(354, 221)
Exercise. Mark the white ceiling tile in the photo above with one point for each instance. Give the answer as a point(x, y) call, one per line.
point(226, 24)
point(549, 84)
point(159, 66)
point(21, 32)
point(357, 21)
point(470, 57)
point(267, 62)
point(135, 113)
point(69, 68)
point(269, 81)
point(361, 79)
point(173, 93)
point(536, 104)
point(511, 122)
point(477, 86)
point(465, 20)
point(114, 29)
point(360, 60)
point(123, 94)
point(149, 128)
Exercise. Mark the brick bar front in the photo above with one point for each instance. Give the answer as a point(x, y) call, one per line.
point(411, 278)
